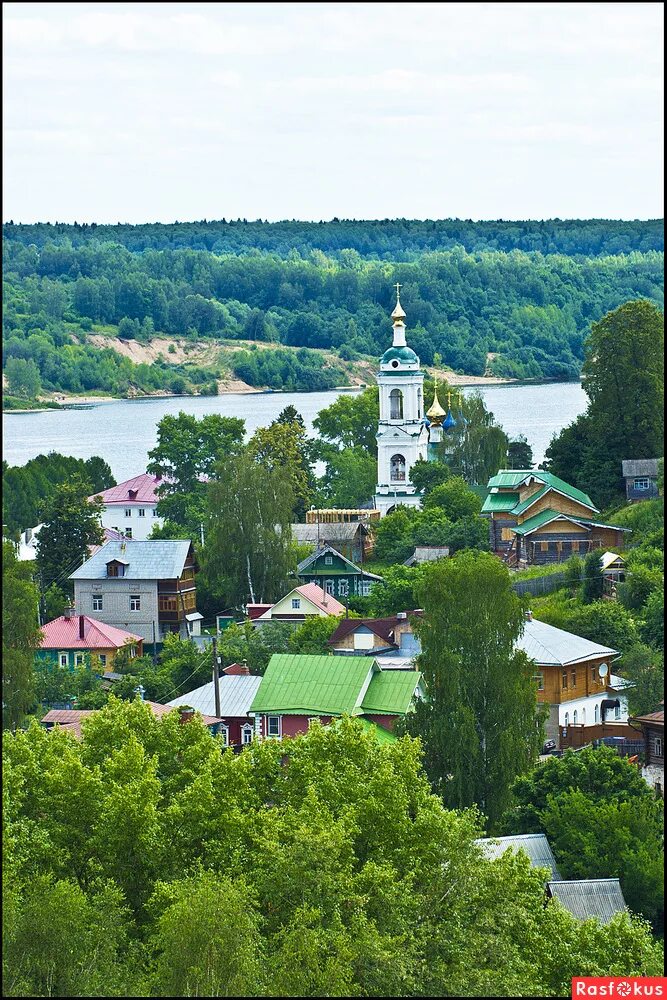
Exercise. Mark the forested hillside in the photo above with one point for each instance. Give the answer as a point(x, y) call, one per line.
point(513, 299)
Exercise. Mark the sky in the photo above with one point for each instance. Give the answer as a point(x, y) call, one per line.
point(132, 112)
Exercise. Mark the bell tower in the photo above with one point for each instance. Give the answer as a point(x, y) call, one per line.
point(402, 435)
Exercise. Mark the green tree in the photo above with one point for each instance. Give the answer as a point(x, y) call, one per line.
point(426, 475)
point(54, 602)
point(519, 454)
point(242, 642)
point(645, 667)
point(23, 378)
point(479, 720)
point(349, 479)
point(652, 629)
point(638, 586)
point(21, 636)
point(606, 622)
point(71, 525)
point(454, 498)
point(351, 421)
point(591, 587)
point(285, 446)
point(248, 554)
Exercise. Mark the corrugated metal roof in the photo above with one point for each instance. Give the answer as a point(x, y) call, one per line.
point(657, 718)
point(550, 646)
point(640, 467)
point(496, 502)
point(237, 692)
point(391, 692)
point(539, 520)
point(535, 845)
point(327, 532)
point(161, 559)
point(144, 486)
point(510, 479)
point(63, 633)
point(601, 898)
point(325, 685)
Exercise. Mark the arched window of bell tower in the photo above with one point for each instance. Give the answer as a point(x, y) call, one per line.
point(397, 467)
point(395, 404)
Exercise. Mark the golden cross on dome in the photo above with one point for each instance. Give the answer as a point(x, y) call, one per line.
point(398, 288)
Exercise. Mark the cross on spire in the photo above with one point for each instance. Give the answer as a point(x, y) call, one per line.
point(398, 288)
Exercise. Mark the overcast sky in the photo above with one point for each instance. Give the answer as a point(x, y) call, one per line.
point(171, 111)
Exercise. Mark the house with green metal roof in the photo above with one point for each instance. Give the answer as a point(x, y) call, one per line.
point(538, 518)
point(337, 575)
point(296, 689)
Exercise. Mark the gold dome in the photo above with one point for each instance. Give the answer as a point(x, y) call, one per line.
point(436, 413)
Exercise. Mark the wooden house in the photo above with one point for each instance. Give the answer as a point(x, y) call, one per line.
point(374, 636)
point(298, 689)
point(73, 640)
point(301, 603)
point(537, 518)
point(338, 576)
point(146, 587)
point(352, 539)
point(653, 731)
point(641, 478)
point(236, 693)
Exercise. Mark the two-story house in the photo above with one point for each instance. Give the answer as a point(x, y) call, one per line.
point(131, 507)
point(338, 576)
point(535, 517)
point(146, 587)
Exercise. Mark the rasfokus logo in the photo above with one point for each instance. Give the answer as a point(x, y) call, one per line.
point(603, 986)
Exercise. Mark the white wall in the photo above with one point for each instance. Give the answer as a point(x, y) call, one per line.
point(114, 516)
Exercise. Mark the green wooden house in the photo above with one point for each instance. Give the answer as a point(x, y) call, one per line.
point(336, 575)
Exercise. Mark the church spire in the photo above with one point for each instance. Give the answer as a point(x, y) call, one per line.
point(436, 412)
point(398, 317)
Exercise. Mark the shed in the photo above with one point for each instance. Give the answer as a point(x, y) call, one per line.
point(600, 898)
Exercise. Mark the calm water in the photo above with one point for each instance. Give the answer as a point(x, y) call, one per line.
point(124, 431)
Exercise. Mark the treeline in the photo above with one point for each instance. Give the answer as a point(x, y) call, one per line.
point(26, 488)
point(386, 239)
point(529, 312)
point(300, 371)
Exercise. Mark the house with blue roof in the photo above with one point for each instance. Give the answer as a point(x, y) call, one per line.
point(144, 587)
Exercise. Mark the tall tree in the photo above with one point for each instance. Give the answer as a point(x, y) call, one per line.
point(21, 635)
point(71, 525)
point(623, 376)
point(352, 421)
point(479, 721)
point(285, 445)
point(519, 453)
point(248, 553)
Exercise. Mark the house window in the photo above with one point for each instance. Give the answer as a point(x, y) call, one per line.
point(141, 512)
point(329, 587)
point(343, 588)
point(574, 678)
point(133, 652)
point(583, 716)
point(167, 603)
point(224, 733)
point(296, 603)
point(115, 569)
point(154, 512)
point(564, 680)
point(642, 484)
point(98, 602)
point(313, 720)
point(246, 735)
point(567, 718)
point(539, 680)
point(657, 746)
point(544, 546)
point(135, 602)
point(397, 469)
point(63, 659)
point(328, 560)
point(575, 546)
point(273, 726)
point(128, 532)
point(617, 712)
point(78, 659)
point(395, 404)
point(575, 717)
point(365, 588)
point(594, 675)
point(597, 714)
point(128, 512)
point(103, 659)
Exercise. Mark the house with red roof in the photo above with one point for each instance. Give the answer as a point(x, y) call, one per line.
point(301, 603)
point(71, 640)
point(131, 507)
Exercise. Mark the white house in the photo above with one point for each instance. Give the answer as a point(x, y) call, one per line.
point(301, 603)
point(131, 507)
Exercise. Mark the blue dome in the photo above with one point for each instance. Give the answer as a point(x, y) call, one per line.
point(449, 421)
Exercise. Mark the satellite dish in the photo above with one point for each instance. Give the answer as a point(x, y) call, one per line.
point(603, 670)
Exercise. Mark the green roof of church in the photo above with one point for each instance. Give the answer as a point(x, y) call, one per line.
point(403, 354)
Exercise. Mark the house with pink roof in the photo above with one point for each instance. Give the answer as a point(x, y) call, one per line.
point(303, 602)
point(70, 641)
point(131, 507)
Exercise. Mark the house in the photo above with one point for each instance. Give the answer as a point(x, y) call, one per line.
point(653, 731)
point(641, 478)
point(351, 538)
point(71, 719)
point(613, 573)
point(71, 640)
point(297, 689)
point(600, 898)
point(535, 845)
point(573, 677)
point(299, 604)
point(146, 587)
point(392, 636)
point(537, 518)
point(427, 553)
point(336, 574)
point(237, 692)
point(131, 507)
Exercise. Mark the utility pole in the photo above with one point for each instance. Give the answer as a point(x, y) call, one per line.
point(201, 532)
point(154, 646)
point(216, 678)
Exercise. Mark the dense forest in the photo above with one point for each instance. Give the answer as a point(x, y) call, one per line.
point(513, 299)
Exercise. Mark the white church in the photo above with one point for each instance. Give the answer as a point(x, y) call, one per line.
point(404, 431)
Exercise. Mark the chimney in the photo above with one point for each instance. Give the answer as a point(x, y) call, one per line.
point(82, 623)
point(401, 614)
point(237, 669)
point(186, 713)
point(529, 615)
point(68, 613)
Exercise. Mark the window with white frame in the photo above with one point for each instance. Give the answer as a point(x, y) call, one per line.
point(328, 560)
point(657, 746)
point(224, 732)
point(98, 602)
point(246, 735)
point(575, 717)
point(154, 512)
point(567, 718)
point(128, 532)
point(539, 680)
point(63, 659)
point(617, 712)
point(343, 588)
point(141, 512)
point(296, 603)
point(78, 659)
point(642, 483)
point(133, 652)
point(135, 602)
point(128, 512)
point(597, 714)
point(313, 720)
point(329, 587)
point(273, 725)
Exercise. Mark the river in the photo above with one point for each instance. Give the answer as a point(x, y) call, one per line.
point(124, 431)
